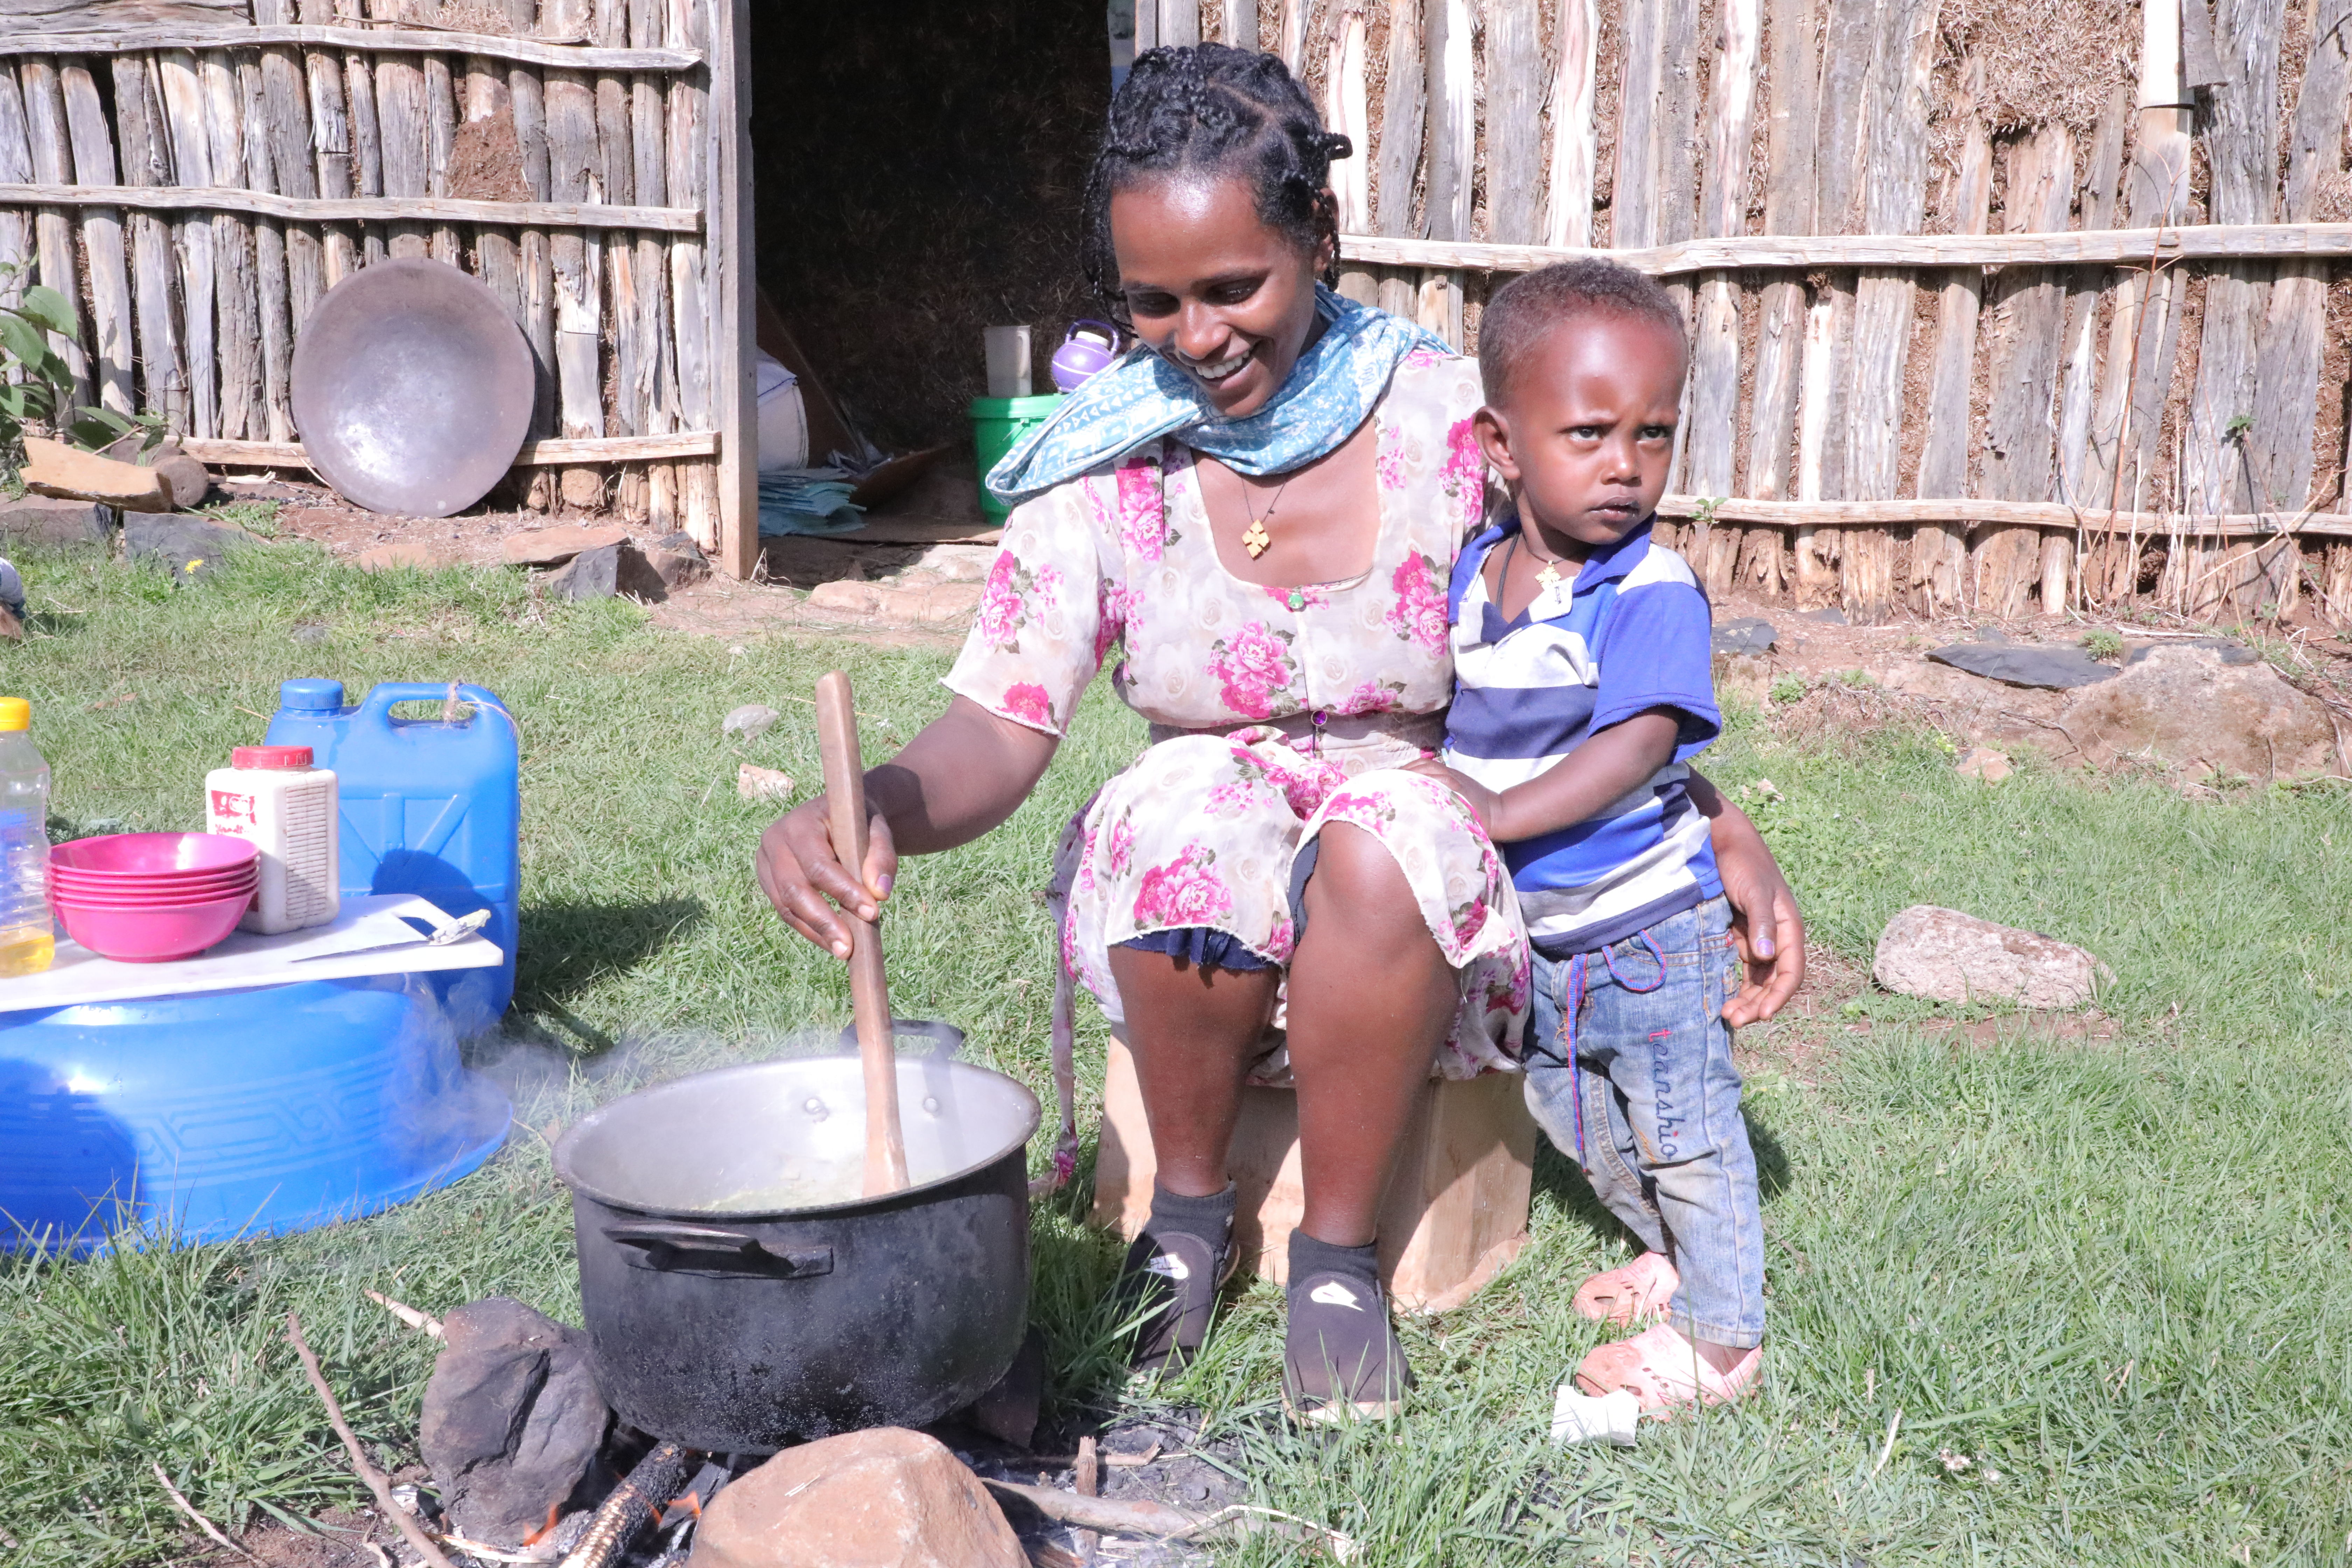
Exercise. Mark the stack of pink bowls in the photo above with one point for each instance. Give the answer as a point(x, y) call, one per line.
point(150, 898)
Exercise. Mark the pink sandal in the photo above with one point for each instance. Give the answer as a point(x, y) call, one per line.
point(1636, 1293)
point(1666, 1373)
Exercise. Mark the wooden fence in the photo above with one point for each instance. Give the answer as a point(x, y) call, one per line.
point(1949, 357)
point(195, 174)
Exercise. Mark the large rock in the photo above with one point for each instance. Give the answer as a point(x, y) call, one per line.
point(48, 519)
point(187, 547)
point(512, 1420)
point(1947, 956)
point(54, 469)
point(2022, 664)
point(590, 575)
point(884, 1498)
point(1749, 634)
point(554, 546)
point(677, 559)
point(2196, 707)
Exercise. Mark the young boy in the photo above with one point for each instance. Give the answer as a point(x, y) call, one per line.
point(1583, 684)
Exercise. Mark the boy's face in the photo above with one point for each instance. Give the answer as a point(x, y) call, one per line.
point(1585, 431)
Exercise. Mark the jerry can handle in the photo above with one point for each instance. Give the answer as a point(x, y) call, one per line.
point(380, 699)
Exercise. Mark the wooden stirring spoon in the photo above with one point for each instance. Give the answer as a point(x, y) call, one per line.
point(870, 988)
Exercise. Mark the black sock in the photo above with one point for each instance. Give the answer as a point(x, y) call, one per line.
point(1308, 1255)
point(1210, 1218)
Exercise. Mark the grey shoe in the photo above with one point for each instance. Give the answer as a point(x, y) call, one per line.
point(1342, 1358)
point(1170, 1277)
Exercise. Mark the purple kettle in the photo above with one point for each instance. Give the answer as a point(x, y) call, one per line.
point(1089, 349)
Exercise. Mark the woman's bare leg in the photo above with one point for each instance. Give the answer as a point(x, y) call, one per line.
point(1193, 1032)
point(1370, 998)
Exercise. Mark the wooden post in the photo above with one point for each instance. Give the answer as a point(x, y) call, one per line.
point(527, 93)
point(2144, 331)
point(617, 182)
point(102, 236)
point(1938, 552)
point(182, 86)
point(2063, 581)
point(1239, 28)
point(366, 135)
point(1816, 547)
point(272, 252)
point(1891, 197)
point(1714, 361)
point(286, 128)
point(1514, 102)
point(691, 282)
point(1404, 110)
point(737, 288)
point(657, 363)
point(1568, 204)
point(1344, 111)
point(1794, 76)
point(574, 171)
point(2241, 140)
point(53, 230)
point(2278, 446)
point(2019, 446)
point(442, 242)
point(16, 168)
point(331, 142)
point(244, 397)
point(147, 161)
point(1452, 154)
point(1633, 187)
point(1291, 34)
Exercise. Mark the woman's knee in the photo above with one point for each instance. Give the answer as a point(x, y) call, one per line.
point(1358, 881)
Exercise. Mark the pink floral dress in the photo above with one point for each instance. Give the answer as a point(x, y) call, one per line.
point(1274, 710)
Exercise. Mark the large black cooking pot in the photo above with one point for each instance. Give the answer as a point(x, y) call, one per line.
point(733, 1308)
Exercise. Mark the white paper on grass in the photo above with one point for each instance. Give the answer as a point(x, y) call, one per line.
point(1582, 1418)
point(353, 946)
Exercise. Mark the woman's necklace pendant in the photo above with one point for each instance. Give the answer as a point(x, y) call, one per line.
point(1256, 539)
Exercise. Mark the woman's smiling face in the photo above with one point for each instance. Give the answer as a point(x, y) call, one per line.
point(1213, 289)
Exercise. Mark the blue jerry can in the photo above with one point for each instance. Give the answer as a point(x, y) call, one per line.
point(428, 806)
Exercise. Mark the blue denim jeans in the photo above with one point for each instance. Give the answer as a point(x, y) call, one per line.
point(1643, 1092)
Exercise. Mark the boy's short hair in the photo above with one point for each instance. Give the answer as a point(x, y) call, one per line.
point(1523, 311)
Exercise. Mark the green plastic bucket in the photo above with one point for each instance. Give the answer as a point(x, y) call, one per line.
point(996, 424)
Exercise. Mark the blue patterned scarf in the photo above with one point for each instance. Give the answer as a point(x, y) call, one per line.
point(1143, 397)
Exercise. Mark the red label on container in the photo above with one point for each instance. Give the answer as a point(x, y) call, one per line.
point(234, 812)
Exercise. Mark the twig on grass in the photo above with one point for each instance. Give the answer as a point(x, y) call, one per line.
point(409, 1529)
point(206, 1525)
point(1154, 1519)
point(1887, 1450)
point(423, 1323)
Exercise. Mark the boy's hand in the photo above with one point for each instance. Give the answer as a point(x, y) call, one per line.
point(1769, 934)
point(1483, 804)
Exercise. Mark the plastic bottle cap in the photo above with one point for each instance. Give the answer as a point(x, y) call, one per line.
point(270, 757)
point(311, 695)
point(16, 713)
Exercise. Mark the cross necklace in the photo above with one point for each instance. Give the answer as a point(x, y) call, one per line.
point(1547, 572)
point(1255, 539)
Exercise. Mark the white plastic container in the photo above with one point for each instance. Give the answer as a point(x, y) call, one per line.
point(27, 937)
point(274, 797)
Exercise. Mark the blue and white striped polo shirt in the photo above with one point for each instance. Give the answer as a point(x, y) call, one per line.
point(1630, 634)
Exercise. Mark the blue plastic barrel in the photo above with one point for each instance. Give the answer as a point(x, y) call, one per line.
point(428, 806)
point(235, 1112)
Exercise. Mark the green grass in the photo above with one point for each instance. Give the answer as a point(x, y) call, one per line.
point(2105, 1283)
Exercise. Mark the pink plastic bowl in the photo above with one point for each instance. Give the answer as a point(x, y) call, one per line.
point(151, 900)
point(151, 935)
point(211, 881)
point(147, 855)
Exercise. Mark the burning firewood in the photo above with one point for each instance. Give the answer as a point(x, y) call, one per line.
point(631, 1508)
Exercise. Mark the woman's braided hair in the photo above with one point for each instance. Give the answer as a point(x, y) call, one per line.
point(1220, 110)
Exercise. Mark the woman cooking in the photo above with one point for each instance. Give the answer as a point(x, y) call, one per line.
point(1261, 512)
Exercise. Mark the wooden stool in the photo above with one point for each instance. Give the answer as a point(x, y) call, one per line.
point(1456, 1209)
